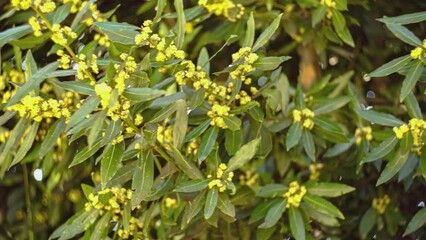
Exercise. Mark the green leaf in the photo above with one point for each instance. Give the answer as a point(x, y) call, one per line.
point(293, 136)
point(61, 13)
point(367, 223)
point(331, 105)
point(391, 67)
point(413, 106)
point(13, 140)
point(329, 130)
point(51, 136)
point(186, 166)
point(197, 131)
point(33, 82)
point(272, 190)
point(101, 228)
point(76, 225)
point(192, 185)
point(268, 33)
point(274, 214)
point(243, 155)
point(142, 94)
point(411, 79)
point(26, 144)
point(88, 106)
point(181, 123)
point(338, 20)
point(382, 150)
point(123, 33)
point(233, 140)
point(297, 226)
point(308, 144)
point(14, 33)
point(75, 86)
point(404, 34)
point(161, 4)
point(379, 118)
point(225, 205)
point(211, 202)
point(85, 153)
point(163, 101)
point(262, 209)
point(110, 161)
point(193, 209)
point(113, 130)
point(143, 178)
point(96, 127)
point(203, 61)
point(416, 222)
point(233, 122)
point(318, 14)
point(423, 163)
point(250, 32)
point(393, 166)
point(270, 63)
point(346, 36)
point(163, 113)
point(405, 19)
point(321, 217)
point(76, 21)
point(181, 22)
point(196, 98)
point(322, 205)
point(328, 189)
point(207, 143)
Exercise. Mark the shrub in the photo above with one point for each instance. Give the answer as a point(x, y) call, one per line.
point(187, 119)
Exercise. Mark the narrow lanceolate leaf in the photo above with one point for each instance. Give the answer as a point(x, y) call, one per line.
point(326, 189)
point(249, 37)
point(211, 202)
point(14, 33)
point(267, 34)
point(270, 63)
point(86, 152)
point(297, 226)
point(207, 143)
point(262, 209)
point(33, 82)
point(331, 105)
point(180, 23)
point(61, 13)
point(308, 144)
point(393, 166)
point(243, 155)
point(186, 166)
point(75, 86)
point(197, 131)
point(192, 209)
point(181, 123)
point(163, 113)
point(55, 130)
point(382, 150)
point(113, 129)
point(13, 139)
point(404, 34)
point(413, 106)
point(233, 141)
point(391, 67)
point(411, 79)
point(142, 94)
point(416, 222)
point(101, 228)
point(143, 178)
point(338, 20)
point(322, 205)
point(405, 19)
point(293, 136)
point(110, 161)
point(225, 205)
point(274, 214)
point(233, 122)
point(193, 185)
point(87, 107)
point(318, 14)
point(26, 145)
point(367, 223)
point(379, 118)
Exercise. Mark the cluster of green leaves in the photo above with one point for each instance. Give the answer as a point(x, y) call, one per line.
point(261, 141)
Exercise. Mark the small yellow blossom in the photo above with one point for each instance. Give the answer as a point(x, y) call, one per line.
point(104, 92)
point(305, 117)
point(171, 203)
point(363, 133)
point(35, 25)
point(220, 179)
point(226, 8)
point(295, 194)
point(380, 204)
point(315, 170)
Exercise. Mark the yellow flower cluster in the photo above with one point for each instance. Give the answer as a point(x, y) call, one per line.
point(315, 170)
point(135, 228)
point(118, 139)
point(60, 34)
point(249, 58)
point(102, 40)
point(45, 6)
point(165, 51)
point(95, 16)
point(191, 73)
point(249, 178)
point(64, 60)
point(419, 52)
point(305, 117)
point(227, 8)
point(416, 127)
point(138, 119)
point(110, 199)
point(193, 147)
point(120, 110)
point(217, 113)
point(221, 179)
point(36, 26)
point(37, 108)
point(4, 135)
point(294, 194)
point(86, 67)
point(363, 133)
point(380, 204)
point(165, 134)
point(124, 71)
point(171, 203)
point(330, 4)
point(104, 92)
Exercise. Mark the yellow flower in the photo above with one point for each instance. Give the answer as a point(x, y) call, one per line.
point(35, 25)
point(48, 6)
point(295, 194)
point(380, 204)
point(104, 92)
point(416, 53)
point(305, 117)
point(363, 133)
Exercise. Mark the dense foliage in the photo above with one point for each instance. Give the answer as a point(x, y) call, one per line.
point(212, 119)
